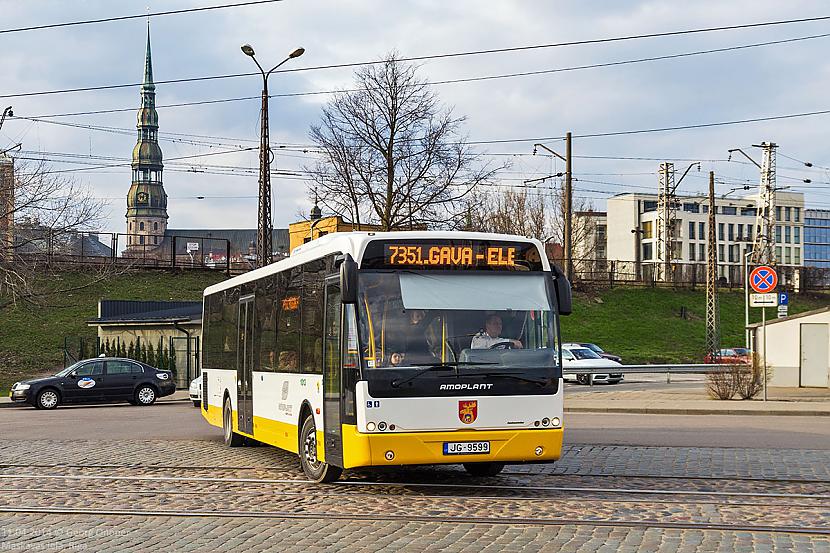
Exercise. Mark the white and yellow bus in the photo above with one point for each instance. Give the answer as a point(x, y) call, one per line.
point(379, 349)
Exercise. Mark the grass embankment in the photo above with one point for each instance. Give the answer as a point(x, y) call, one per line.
point(641, 324)
point(644, 325)
point(32, 336)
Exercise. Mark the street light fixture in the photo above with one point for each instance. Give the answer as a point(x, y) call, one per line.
point(264, 250)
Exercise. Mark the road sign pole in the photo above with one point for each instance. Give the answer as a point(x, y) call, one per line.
point(746, 300)
point(764, 327)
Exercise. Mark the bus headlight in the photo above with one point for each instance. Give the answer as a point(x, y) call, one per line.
point(555, 421)
point(370, 426)
point(381, 426)
point(545, 421)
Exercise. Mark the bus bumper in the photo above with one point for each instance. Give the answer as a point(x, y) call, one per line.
point(427, 448)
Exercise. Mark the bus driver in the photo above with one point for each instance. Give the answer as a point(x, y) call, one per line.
point(490, 336)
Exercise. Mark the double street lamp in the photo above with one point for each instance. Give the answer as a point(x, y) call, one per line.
point(264, 249)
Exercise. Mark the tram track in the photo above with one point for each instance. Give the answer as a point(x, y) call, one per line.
point(364, 483)
point(506, 473)
point(323, 515)
point(302, 494)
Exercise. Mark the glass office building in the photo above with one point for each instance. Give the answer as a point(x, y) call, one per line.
point(817, 238)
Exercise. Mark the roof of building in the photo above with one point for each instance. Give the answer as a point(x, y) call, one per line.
point(140, 311)
point(791, 317)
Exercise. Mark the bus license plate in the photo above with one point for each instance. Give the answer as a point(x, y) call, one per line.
point(466, 448)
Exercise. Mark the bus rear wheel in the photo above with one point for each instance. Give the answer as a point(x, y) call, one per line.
point(483, 469)
point(316, 470)
point(231, 438)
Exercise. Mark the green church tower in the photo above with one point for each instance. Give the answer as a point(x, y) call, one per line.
point(146, 200)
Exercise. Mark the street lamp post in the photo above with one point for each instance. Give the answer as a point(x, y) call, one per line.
point(264, 249)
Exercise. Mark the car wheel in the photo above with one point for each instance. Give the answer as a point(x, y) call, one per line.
point(582, 378)
point(483, 469)
point(232, 439)
point(145, 395)
point(197, 403)
point(47, 399)
point(316, 470)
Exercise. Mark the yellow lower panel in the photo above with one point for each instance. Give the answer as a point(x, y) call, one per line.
point(213, 415)
point(427, 448)
point(276, 433)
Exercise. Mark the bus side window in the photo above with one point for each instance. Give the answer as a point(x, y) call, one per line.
point(288, 324)
point(312, 317)
point(267, 292)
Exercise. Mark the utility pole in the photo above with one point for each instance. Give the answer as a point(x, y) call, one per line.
point(567, 203)
point(712, 310)
point(666, 214)
point(763, 249)
point(264, 248)
point(6, 113)
point(567, 247)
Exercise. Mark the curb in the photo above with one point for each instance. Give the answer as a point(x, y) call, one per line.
point(6, 402)
point(669, 411)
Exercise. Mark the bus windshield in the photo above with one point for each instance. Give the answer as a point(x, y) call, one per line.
point(417, 319)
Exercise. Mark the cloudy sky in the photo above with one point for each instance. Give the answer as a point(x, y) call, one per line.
point(759, 81)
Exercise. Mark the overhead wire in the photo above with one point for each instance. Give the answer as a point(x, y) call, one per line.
point(418, 58)
point(136, 16)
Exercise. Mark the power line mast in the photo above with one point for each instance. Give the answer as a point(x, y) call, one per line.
point(763, 249)
point(666, 214)
point(712, 310)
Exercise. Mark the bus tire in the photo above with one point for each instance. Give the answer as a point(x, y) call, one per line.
point(231, 438)
point(483, 469)
point(314, 469)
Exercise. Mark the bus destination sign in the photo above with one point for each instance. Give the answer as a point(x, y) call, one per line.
point(452, 255)
point(465, 256)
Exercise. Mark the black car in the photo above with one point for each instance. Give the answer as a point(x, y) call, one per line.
point(102, 379)
point(598, 350)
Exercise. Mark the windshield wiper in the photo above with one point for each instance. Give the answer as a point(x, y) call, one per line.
point(516, 377)
point(435, 367)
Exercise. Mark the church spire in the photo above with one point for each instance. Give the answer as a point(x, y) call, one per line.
point(148, 65)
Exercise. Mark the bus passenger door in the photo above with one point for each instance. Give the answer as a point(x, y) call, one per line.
point(333, 442)
point(244, 366)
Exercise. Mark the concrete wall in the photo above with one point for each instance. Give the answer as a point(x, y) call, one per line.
point(784, 347)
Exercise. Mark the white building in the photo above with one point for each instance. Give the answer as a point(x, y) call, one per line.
point(632, 222)
point(797, 349)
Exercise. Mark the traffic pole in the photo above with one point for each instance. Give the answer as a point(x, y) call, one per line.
point(764, 326)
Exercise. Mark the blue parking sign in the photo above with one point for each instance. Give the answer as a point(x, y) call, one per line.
point(783, 298)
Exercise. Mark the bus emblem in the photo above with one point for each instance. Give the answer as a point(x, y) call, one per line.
point(468, 411)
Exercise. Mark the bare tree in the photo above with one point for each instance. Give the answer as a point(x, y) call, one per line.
point(42, 208)
point(392, 156)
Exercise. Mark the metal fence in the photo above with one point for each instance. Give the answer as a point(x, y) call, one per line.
point(691, 275)
point(127, 250)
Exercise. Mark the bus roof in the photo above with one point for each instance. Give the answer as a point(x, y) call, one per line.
point(354, 243)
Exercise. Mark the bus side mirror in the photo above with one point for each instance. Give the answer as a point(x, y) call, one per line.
point(348, 280)
point(563, 291)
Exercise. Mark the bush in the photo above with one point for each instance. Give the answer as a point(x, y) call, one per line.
point(721, 384)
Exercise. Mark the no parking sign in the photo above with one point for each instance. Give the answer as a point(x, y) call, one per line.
point(763, 279)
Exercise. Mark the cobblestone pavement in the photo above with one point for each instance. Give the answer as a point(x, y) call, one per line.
point(199, 495)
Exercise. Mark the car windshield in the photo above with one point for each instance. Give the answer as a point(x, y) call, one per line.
point(423, 319)
point(741, 351)
point(68, 369)
point(584, 353)
point(594, 347)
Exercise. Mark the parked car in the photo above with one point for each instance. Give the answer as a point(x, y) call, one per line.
point(596, 349)
point(576, 355)
point(196, 391)
point(103, 379)
point(730, 356)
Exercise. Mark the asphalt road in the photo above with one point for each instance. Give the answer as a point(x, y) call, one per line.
point(179, 420)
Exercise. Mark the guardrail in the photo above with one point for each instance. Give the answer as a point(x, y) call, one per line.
point(652, 369)
point(668, 370)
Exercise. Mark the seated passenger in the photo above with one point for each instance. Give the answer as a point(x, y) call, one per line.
point(491, 335)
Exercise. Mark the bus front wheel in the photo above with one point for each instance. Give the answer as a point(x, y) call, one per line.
point(316, 470)
point(232, 439)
